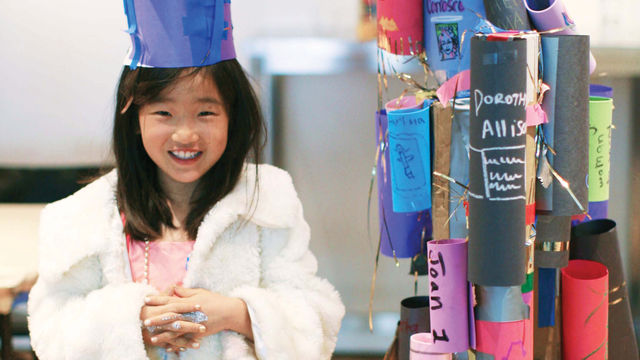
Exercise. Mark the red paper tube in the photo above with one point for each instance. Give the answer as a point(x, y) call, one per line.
point(400, 26)
point(585, 299)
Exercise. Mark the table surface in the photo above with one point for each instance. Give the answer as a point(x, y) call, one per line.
point(18, 250)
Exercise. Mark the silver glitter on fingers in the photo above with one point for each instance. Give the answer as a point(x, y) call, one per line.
point(176, 325)
point(170, 317)
point(197, 317)
point(153, 329)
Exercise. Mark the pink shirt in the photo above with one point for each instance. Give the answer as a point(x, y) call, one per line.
point(168, 261)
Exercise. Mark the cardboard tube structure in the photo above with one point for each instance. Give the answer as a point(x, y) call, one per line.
point(414, 318)
point(507, 14)
point(442, 121)
point(400, 26)
point(585, 295)
point(552, 241)
point(497, 138)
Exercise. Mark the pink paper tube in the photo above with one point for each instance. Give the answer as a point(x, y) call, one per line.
point(585, 299)
point(400, 26)
point(403, 102)
point(421, 348)
point(552, 14)
point(503, 340)
point(448, 308)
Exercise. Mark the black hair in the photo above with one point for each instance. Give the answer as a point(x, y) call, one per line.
point(139, 194)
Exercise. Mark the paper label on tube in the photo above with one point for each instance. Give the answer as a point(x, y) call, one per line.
point(600, 115)
point(410, 157)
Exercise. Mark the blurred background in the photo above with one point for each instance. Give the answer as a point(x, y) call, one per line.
point(317, 82)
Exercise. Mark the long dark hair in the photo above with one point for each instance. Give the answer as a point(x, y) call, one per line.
point(139, 194)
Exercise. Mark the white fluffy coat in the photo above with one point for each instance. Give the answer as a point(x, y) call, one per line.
point(85, 305)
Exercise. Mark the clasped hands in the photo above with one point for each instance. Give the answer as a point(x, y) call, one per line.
point(182, 317)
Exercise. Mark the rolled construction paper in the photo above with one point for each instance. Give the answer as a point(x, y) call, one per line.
point(552, 14)
point(400, 233)
point(414, 318)
point(400, 26)
point(600, 117)
point(459, 169)
point(552, 241)
point(410, 159)
point(507, 14)
point(421, 348)
point(585, 293)
point(597, 240)
point(403, 102)
point(567, 107)
point(600, 90)
point(497, 137)
point(448, 295)
point(445, 24)
point(500, 304)
point(547, 337)
point(502, 340)
point(442, 119)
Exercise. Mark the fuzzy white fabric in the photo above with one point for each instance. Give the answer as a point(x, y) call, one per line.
point(85, 306)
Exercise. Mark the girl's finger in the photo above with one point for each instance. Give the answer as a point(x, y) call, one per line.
point(163, 319)
point(184, 327)
point(155, 300)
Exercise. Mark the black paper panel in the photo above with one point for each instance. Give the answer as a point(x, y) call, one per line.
point(507, 14)
point(497, 137)
point(552, 237)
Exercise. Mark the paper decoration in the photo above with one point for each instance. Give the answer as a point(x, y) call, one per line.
point(421, 348)
point(567, 106)
point(448, 27)
point(597, 240)
point(585, 289)
point(400, 232)
point(448, 295)
point(502, 340)
point(179, 33)
point(442, 120)
point(497, 162)
point(459, 82)
point(414, 318)
point(507, 14)
point(600, 116)
point(410, 159)
point(459, 169)
point(400, 26)
point(403, 102)
point(552, 241)
point(552, 14)
point(600, 90)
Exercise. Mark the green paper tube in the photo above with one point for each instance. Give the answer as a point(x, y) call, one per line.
point(600, 115)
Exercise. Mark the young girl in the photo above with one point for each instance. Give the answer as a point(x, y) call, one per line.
point(184, 250)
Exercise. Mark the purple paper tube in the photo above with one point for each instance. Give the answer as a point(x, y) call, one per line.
point(552, 14)
point(597, 210)
point(448, 295)
point(400, 232)
point(600, 90)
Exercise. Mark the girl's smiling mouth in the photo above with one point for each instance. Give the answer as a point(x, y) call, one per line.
point(184, 155)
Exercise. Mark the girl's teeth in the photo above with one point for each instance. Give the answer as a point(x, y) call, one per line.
point(185, 155)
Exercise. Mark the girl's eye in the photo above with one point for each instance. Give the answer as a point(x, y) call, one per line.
point(162, 113)
point(206, 113)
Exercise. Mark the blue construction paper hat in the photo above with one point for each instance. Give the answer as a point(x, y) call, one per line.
point(179, 33)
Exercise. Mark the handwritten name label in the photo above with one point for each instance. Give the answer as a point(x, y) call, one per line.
point(437, 273)
point(515, 99)
point(436, 7)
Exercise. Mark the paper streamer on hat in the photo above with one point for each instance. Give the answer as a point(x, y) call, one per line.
point(421, 348)
point(597, 240)
point(497, 138)
point(410, 159)
point(567, 133)
point(507, 14)
point(547, 337)
point(552, 14)
point(552, 241)
point(445, 23)
point(184, 33)
point(401, 233)
point(400, 26)
point(414, 318)
point(585, 289)
point(459, 170)
point(448, 295)
point(442, 120)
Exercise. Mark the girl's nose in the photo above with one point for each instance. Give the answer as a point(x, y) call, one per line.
point(185, 135)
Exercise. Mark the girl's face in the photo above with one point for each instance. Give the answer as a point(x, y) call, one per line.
point(184, 131)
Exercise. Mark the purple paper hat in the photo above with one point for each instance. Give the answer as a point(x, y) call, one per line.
point(179, 33)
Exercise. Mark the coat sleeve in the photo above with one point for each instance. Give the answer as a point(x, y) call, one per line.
point(297, 314)
point(73, 315)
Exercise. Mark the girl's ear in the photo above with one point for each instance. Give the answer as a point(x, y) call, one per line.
point(127, 105)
